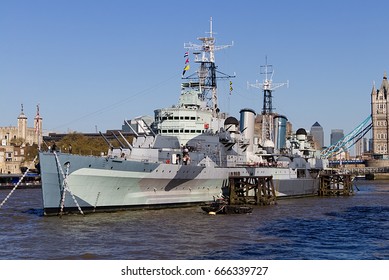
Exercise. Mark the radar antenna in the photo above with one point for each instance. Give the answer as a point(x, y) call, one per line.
point(267, 87)
point(206, 75)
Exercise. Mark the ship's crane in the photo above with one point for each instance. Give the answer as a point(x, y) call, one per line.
point(206, 75)
point(267, 87)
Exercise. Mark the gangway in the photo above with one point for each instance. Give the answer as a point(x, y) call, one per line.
point(349, 140)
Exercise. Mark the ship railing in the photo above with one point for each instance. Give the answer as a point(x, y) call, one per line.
point(263, 164)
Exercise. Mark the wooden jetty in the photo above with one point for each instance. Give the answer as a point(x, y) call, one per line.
point(335, 185)
point(244, 191)
point(258, 190)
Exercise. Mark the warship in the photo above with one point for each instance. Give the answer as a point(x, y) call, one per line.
point(185, 154)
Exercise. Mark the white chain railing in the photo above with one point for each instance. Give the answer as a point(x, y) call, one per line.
point(17, 184)
point(66, 186)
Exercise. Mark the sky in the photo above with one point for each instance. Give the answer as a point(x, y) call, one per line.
point(91, 64)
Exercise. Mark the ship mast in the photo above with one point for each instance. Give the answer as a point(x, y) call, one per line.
point(206, 74)
point(267, 87)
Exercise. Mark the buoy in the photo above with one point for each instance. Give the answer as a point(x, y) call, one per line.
point(211, 213)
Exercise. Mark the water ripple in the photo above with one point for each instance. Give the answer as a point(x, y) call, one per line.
point(311, 228)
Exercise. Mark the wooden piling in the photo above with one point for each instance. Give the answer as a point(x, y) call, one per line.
point(335, 185)
point(258, 190)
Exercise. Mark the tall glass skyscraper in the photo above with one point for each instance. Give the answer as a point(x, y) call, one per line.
point(336, 135)
point(318, 134)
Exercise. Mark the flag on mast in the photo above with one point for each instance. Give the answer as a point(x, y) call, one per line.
point(187, 67)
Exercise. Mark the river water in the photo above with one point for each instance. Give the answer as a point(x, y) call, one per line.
point(330, 228)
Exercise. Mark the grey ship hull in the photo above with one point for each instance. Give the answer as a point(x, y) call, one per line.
point(99, 183)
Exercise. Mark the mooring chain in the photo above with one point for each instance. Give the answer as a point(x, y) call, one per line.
point(17, 184)
point(63, 197)
point(66, 188)
point(65, 185)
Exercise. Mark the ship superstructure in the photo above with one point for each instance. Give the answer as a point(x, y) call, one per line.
point(197, 111)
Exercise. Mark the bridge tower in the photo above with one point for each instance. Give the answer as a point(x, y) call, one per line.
point(380, 117)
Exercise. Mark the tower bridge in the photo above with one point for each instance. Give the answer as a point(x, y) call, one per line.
point(378, 122)
point(349, 140)
point(355, 167)
point(346, 162)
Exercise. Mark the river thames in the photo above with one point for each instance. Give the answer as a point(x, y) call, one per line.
point(316, 228)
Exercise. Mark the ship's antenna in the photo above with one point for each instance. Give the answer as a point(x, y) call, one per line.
point(267, 87)
point(206, 75)
point(210, 28)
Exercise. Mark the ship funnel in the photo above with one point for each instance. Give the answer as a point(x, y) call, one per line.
point(247, 120)
point(280, 132)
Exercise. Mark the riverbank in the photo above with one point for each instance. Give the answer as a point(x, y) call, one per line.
point(30, 181)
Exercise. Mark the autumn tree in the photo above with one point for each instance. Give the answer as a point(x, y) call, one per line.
point(81, 144)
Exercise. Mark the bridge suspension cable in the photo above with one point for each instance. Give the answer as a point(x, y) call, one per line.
point(349, 140)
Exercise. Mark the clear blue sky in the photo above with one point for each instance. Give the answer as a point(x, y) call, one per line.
point(95, 63)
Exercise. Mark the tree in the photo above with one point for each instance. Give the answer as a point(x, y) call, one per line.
point(30, 152)
point(17, 141)
point(81, 144)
